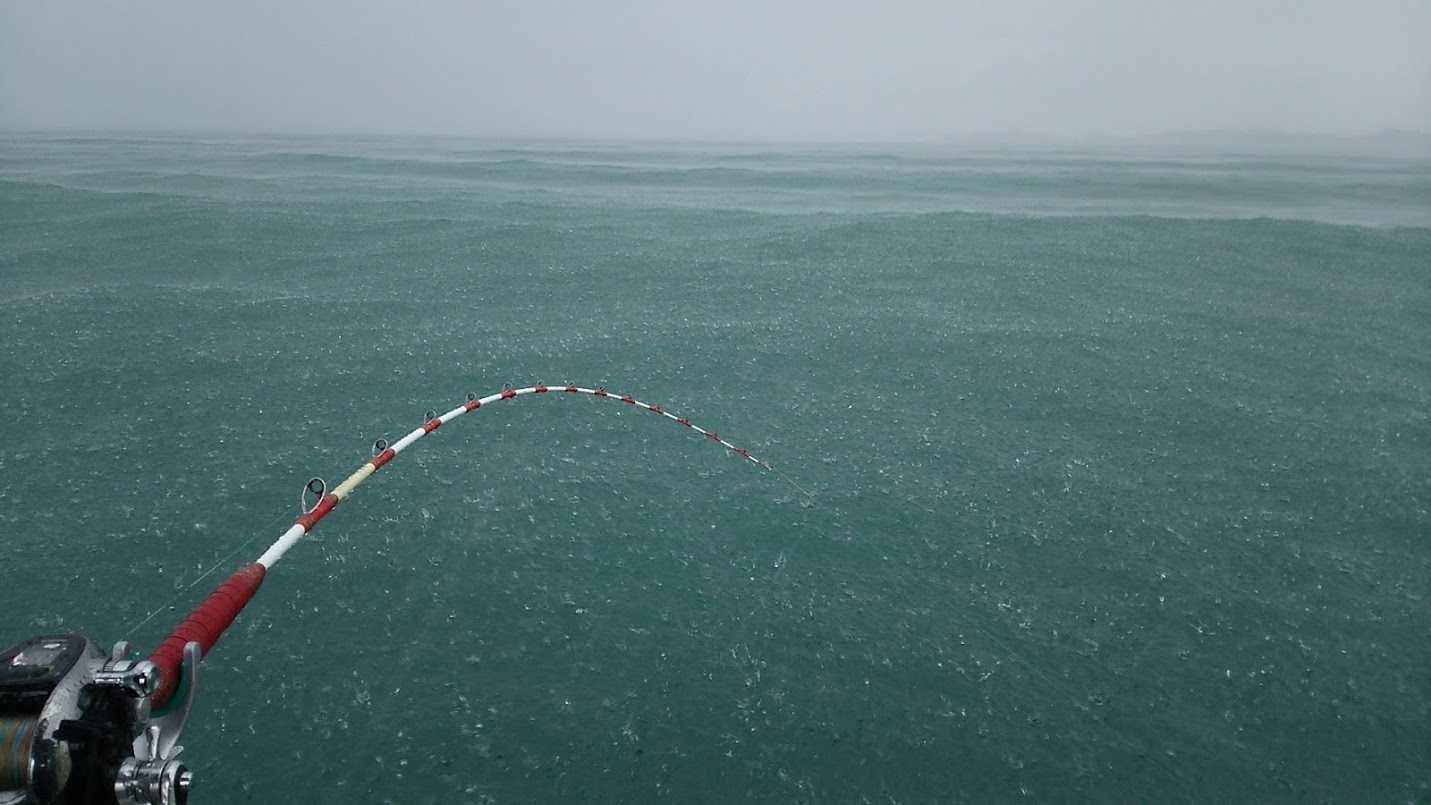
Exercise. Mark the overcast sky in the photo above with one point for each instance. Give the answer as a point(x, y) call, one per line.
point(672, 69)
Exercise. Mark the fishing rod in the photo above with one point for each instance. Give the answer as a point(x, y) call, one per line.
point(81, 726)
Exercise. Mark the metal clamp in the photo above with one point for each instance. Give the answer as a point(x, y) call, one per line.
point(153, 776)
point(159, 740)
point(137, 678)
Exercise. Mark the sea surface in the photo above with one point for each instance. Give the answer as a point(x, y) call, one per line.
point(1098, 476)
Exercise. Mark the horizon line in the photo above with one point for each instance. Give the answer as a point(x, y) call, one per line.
point(1016, 137)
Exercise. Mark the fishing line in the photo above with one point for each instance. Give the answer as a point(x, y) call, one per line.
point(273, 522)
point(791, 481)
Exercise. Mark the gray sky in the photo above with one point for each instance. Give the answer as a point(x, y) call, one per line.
point(774, 70)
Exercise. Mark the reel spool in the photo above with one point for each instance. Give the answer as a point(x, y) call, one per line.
point(70, 719)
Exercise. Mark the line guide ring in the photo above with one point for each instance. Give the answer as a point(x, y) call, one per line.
point(318, 487)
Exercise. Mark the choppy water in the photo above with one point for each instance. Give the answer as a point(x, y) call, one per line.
point(1120, 464)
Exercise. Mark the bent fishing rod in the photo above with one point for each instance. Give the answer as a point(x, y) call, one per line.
point(78, 725)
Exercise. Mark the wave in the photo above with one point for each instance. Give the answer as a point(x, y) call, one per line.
point(1361, 191)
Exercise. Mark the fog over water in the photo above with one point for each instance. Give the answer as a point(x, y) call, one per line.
point(799, 70)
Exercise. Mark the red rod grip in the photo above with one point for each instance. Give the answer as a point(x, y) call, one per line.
point(204, 626)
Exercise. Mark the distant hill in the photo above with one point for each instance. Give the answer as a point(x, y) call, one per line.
point(1391, 143)
point(1408, 144)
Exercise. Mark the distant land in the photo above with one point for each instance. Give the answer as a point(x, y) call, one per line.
point(1389, 143)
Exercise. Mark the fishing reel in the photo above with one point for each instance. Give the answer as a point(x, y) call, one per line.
point(76, 726)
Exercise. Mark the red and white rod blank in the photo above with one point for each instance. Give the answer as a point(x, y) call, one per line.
point(207, 622)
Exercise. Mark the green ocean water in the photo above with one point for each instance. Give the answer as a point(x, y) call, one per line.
point(1118, 464)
